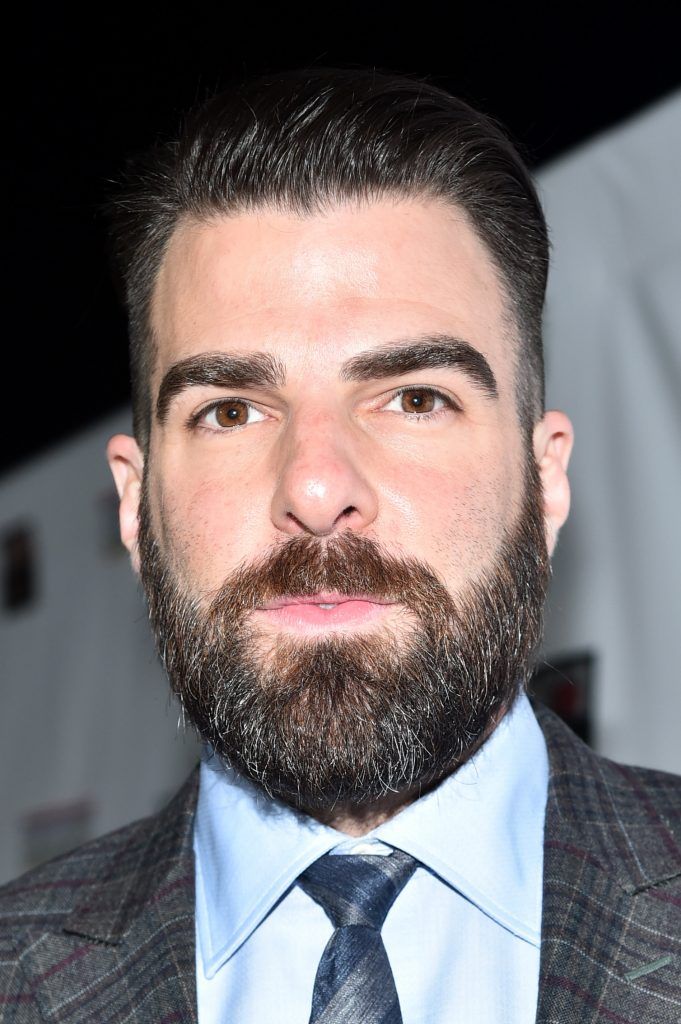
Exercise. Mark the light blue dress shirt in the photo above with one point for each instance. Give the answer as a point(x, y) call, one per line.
point(463, 935)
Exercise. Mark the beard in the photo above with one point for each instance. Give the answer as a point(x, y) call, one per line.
point(345, 720)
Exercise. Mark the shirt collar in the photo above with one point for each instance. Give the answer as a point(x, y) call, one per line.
point(480, 831)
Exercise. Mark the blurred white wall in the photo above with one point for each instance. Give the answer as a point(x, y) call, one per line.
point(88, 736)
point(613, 343)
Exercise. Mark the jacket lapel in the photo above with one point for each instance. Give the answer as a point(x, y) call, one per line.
point(127, 953)
point(611, 925)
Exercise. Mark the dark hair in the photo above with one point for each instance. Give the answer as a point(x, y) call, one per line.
point(300, 140)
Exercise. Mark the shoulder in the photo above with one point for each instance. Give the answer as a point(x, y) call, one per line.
point(571, 759)
point(625, 814)
point(48, 894)
point(611, 898)
point(98, 888)
point(91, 927)
point(42, 901)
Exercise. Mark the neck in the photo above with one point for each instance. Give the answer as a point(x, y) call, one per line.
point(358, 820)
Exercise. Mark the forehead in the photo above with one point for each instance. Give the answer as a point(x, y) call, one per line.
point(328, 284)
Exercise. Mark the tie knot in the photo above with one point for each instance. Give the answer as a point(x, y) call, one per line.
point(357, 889)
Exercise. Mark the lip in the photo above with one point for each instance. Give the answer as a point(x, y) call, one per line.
point(309, 614)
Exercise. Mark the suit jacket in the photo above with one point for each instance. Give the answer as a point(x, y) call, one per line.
point(106, 933)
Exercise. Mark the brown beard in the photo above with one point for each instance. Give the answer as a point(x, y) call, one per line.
point(343, 721)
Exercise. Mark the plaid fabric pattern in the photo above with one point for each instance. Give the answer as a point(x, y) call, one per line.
point(106, 933)
point(611, 919)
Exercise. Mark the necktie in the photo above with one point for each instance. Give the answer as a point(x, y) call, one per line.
point(354, 982)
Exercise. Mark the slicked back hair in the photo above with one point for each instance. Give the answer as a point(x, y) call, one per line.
point(300, 141)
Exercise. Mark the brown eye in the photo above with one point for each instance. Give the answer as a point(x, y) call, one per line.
point(231, 414)
point(417, 400)
point(226, 415)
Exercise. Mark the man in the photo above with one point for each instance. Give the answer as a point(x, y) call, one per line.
point(341, 498)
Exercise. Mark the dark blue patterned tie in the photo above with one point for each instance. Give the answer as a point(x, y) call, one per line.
point(354, 983)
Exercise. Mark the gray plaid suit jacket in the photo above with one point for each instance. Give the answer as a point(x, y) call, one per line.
point(106, 933)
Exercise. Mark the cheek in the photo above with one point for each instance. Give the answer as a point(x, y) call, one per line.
point(209, 526)
point(454, 519)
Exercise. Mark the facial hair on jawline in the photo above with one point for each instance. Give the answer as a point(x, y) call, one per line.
point(345, 720)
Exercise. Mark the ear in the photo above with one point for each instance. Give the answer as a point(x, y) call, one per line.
point(127, 465)
point(553, 437)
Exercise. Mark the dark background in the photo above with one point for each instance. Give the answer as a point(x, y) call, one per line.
point(84, 94)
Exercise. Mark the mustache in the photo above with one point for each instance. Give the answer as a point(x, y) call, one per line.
point(348, 564)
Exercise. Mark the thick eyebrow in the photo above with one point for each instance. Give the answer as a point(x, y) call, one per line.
point(439, 350)
point(261, 369)
point(220, 370)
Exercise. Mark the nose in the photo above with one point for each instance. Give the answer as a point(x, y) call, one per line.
point(322, 486)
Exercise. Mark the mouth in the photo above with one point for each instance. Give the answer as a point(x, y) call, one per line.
point(324, 610)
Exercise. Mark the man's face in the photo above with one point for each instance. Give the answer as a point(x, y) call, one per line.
point(351, 371)
point(321, 453)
